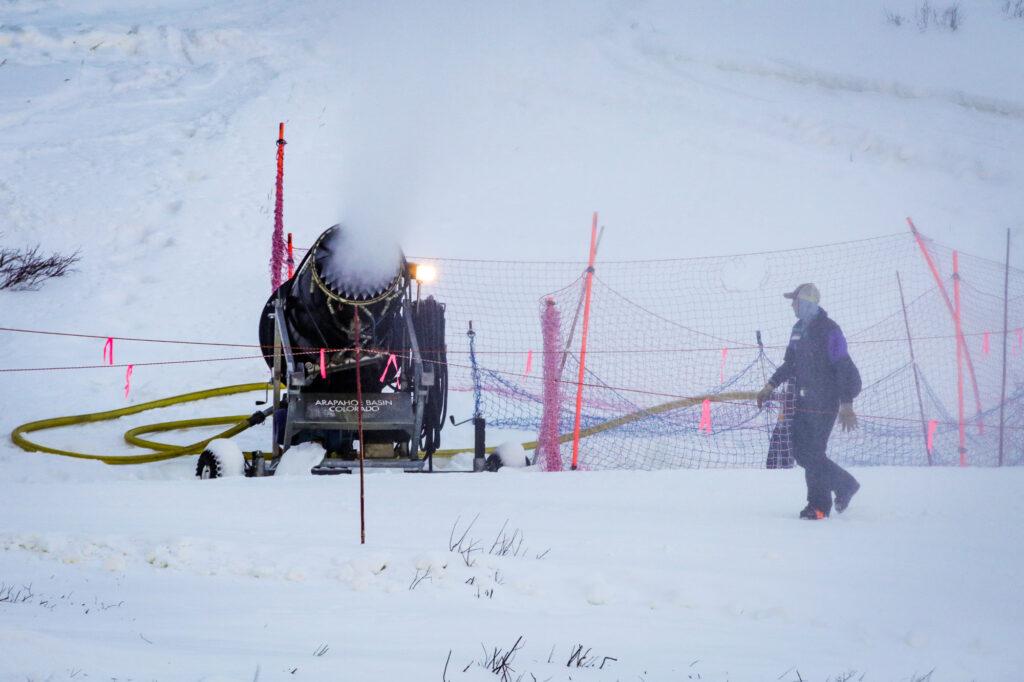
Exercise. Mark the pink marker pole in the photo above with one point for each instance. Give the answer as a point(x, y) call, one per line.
point(128, 380)
point(529, 363)
point(932, 425)
point(108, 351)
point(985, 344)
point(588, 287)
point(392, 361)
point(705, 416)
point(277, 245)
point(323, 364)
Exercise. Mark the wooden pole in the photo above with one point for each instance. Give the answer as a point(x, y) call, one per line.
point(1006, 316)
point(579, 309)
point(583, 345)
point(913, 363)
point(362, 443)
point(959, 360)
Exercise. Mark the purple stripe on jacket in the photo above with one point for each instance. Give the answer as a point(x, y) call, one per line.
point(837, 349)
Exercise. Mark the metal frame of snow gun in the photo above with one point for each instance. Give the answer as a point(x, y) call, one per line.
point(400, 411)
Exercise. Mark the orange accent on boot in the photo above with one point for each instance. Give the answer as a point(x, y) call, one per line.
point(819, 514)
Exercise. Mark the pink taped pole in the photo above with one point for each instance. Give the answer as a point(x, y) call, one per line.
point(953, 313)
point(392, 361)
point(277, 245)
point(128, 380)
point(583, 344)
point(550, 456)
point(705, 416)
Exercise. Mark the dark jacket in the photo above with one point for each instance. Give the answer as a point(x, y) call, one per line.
point(818, 363)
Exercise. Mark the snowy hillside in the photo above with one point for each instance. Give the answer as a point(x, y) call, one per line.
point(142, 136)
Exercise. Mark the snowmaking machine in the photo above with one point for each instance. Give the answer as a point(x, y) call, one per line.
point(355, 350)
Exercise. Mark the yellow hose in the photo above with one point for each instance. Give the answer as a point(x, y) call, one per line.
point(627, 418)
point(162, 451)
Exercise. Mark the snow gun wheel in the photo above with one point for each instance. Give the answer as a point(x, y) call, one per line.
point(220, 459)
point(509, 454)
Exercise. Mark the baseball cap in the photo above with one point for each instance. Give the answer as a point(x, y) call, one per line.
point(805, 292)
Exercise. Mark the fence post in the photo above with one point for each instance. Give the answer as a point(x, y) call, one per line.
point(576, 315)
point(913, 363)
point(959, 360)
point(583, 344)
point(953, 313)
point(359, 416)
point(1006, 315)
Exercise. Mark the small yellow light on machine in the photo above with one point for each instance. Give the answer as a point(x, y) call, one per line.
point(424, 273)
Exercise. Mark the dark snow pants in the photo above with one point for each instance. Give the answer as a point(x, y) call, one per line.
point(810, 431)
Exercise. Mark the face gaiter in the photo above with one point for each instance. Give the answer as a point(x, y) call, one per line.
point(806, 311)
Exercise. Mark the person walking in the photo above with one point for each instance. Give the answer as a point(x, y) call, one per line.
point(825, 381)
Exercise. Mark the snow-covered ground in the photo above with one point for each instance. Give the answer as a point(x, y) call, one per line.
point(672, 573)
point(142, 134)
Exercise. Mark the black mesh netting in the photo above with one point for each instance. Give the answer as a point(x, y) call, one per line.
point(667, 335)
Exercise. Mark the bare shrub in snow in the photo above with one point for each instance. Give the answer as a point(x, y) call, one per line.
point(843, 677)
point(499, 661)
point(464, 545)
point(578, 658)
point(951, 17)
point(506, 543)
point(26, 269)
point(894, 18)
point(927, 17)
point(1014, 9)
point(420, 577)
point(9, 596)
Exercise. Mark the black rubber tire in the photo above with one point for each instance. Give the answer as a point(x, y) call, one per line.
point(207, 466)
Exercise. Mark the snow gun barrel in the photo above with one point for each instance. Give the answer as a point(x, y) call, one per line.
point(342, 276)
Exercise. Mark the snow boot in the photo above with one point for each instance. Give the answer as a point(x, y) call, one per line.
point(843, 498)
point(812, 513)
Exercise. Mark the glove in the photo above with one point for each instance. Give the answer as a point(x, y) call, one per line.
point(764, 394)
point(847, 417)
